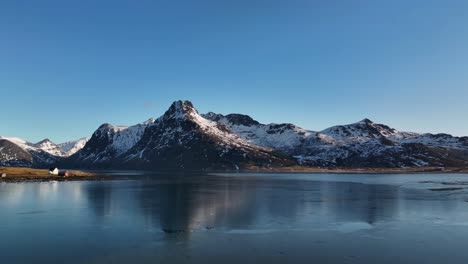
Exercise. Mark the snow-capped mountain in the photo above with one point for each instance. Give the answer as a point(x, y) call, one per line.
point(181, 138)
point(39, 154)
point(282, 137)
point(108, 143)
point(71, 147)
point(367, 144)
point(19, 152)
point(361, 144)
point(49, 147)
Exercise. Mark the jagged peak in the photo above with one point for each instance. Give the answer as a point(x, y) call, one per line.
point(182, 106)
point(233, 119)
point(149, 121)
point(213, 116)
point(108, 128)
point(105, 125)
point(45, 140)
point(180, 110)
point(74, 141)
point(366, 121)
point(240, 119)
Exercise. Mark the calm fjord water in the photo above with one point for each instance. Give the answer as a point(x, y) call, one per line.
point(237, 218)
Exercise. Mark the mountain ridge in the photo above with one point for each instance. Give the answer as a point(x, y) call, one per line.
point(182, 138)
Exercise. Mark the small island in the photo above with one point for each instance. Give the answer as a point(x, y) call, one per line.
point(21, 174)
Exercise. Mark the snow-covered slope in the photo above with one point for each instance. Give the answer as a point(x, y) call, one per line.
point(49, 147)
point(42, 153)
point(13, 155)
point(367, 144)
point(71, 147)
point(283, 137)
point(109, 142)
point(19, 141)
point(361, 144)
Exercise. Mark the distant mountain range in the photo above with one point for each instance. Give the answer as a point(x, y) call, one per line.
point(184, 139)
point(19, 152)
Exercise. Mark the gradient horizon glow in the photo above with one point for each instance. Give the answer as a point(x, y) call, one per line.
point(68, 66)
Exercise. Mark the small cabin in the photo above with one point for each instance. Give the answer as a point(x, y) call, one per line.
point(54, 171)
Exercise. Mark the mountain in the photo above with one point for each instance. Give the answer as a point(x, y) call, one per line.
point(13, 155)
point(49, 147)
point(19, 152)
point(367, 144)
point(71, 147)
point(107, 144)
point(283, 137)
point(361, 144)
point(182, 138)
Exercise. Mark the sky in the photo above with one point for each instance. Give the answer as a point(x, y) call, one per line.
point(66, 67)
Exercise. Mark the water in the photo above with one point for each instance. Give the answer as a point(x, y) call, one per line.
point(237, 218)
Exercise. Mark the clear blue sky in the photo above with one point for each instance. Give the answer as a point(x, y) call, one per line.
point(68, 66)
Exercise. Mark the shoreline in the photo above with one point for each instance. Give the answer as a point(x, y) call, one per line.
point(21, 174)
point(412, 170)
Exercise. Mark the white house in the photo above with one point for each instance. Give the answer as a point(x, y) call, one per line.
point(54, 171)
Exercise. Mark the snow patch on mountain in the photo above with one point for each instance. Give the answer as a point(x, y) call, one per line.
point(49, 147)
point(71, 147)
point(124, 138)
point(284, 137)
point(20, 142)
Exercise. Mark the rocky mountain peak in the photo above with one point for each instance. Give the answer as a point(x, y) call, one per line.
point(149, 121)
point(44, 141)
point(180, 110)
point(104, 126)
point(213, 116)
point(366, 121)
point(232, 119)
point(239, 119)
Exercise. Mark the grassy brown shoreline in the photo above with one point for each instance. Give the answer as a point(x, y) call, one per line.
point(20, 174)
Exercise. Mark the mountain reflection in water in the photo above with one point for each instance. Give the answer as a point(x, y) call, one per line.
point(182, 212)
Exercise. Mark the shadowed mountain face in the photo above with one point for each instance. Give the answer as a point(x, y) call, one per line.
point(184, 139)
point(22, 155)
point(13, 155)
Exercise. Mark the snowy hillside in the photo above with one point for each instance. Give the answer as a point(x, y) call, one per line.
point(109, 142)
point(71, 147)
point(38, 154)
point(49, 147)
point(284, 137)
